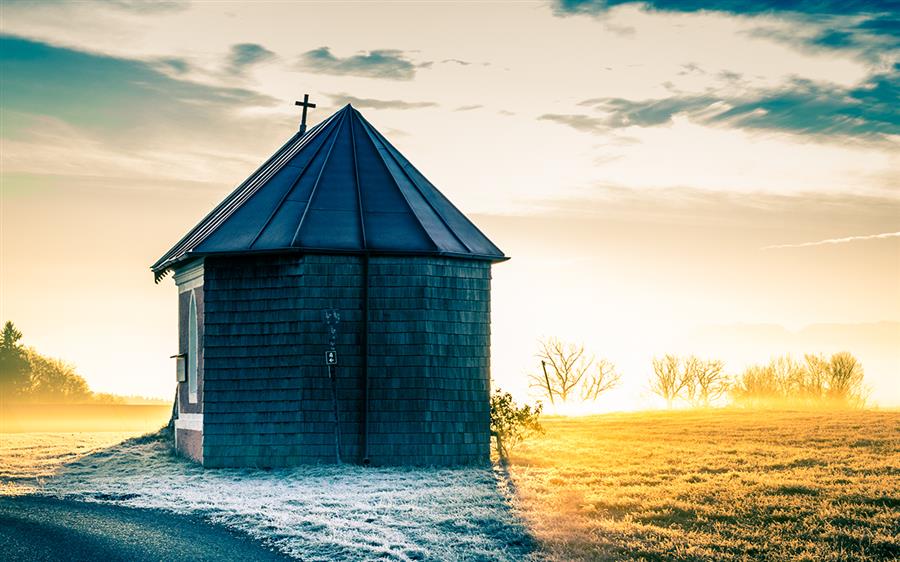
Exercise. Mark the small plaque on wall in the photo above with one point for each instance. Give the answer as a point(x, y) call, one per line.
point(180, 369)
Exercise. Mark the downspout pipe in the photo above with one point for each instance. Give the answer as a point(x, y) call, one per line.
point(365, 355)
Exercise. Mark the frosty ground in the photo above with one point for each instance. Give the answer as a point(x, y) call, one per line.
point(725, 485)
point(316, 512)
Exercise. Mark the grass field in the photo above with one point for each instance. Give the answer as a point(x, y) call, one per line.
point(723, 485)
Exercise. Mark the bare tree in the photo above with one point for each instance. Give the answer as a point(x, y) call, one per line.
point(690, 371)
point(710, 381)
point(603, 378)
point(845, 380)
point(667, 380)
point(789, 375)
point(814, 384)
point(563, 366)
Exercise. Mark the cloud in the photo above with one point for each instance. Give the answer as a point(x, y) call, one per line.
point(456, 61)
point(101, 93)
point(872, 38)
point(468, 107)
point(736, 7)
point(389, 64)
point(867, 26)
point(176, 65)
point(868, 110)
point(244, 55)
point(134, 6)
point(830, 241)
point(66, 110)
point(144, 7)
point(343, 98)
point(584, 123)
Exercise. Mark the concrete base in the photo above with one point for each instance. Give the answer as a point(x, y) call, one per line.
point(189, 443)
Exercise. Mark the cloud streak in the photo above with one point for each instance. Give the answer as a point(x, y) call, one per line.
point(112, 96)
point(736, 7)
point(68, 111)
point(868, 110)
point(830, 241)
point(344, 98)
point(387, 64)
point(866, 26)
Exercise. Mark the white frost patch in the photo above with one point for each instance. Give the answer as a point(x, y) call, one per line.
point(322, 512)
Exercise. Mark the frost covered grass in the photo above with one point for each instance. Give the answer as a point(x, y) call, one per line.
point(316, 512)
point(688, 486)
point(716, 485)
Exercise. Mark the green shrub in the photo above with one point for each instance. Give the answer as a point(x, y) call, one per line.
point(511, 424)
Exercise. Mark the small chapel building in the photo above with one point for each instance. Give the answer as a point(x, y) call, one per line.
point(334, 308)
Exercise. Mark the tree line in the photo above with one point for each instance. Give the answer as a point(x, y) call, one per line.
point(569, 372)
point(28, 376)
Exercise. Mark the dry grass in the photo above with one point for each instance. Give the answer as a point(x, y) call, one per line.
point(723, 485)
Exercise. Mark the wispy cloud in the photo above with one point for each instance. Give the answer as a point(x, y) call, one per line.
point(134, 6)
point(584, 123)
point(144, 7)
point(344, 98)
point(468, 107)
point(830, 241)
point(812, 7)
point(115, 108)
point(390, 64)
point(109, 94)
point(866, 26)
point(868, 110)
point(173, 65)
point(244, 55)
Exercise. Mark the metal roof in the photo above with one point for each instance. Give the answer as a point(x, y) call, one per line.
point(342, 187)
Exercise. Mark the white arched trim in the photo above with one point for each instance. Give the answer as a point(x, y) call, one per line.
point(193, 353)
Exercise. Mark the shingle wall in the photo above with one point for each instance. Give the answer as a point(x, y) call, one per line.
point(429, 347)
point(267, 396)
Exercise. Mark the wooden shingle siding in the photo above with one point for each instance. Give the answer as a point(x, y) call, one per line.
point(267, 396)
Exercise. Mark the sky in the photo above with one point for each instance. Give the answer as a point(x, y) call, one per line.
point(714, 177)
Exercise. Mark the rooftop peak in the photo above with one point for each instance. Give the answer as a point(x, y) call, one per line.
point(341, 188)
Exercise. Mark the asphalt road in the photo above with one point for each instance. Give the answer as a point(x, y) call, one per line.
point(37, 529)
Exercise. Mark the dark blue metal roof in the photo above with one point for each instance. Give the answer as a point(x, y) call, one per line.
point(342, 187)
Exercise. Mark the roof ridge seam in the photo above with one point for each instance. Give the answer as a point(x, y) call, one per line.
point(441, 195)
point(412, 211)
point(215, 218)
point(315, 188)
point(187, 238)
point(289, 190)
point(255, 182)
point(403, 164)
point(362, 220)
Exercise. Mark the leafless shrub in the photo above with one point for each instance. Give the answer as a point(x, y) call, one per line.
point(604, 377)
point(836, 382)
point(567, 371)
point(699, 382)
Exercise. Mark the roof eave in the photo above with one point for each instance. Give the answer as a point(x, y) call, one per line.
point(160, 270)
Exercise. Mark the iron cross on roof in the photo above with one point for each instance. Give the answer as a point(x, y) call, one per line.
point(304, 104)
